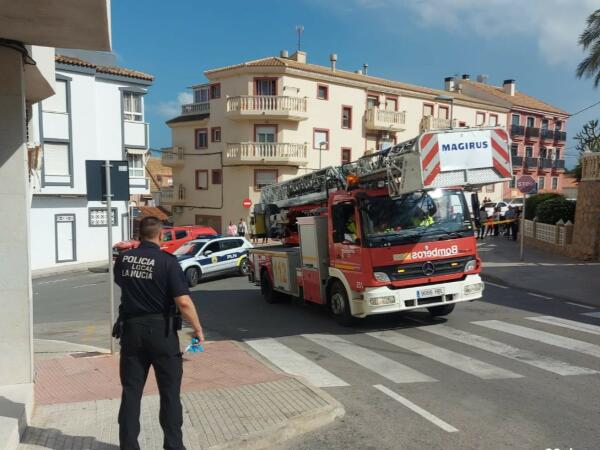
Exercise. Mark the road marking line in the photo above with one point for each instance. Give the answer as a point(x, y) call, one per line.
point(594, 314)
point(291, 362)
point(386, 367)
point(496, 285)
point(417, 409)
point(543, 337)
point(508, 351)
point(533, 294)
point(84, 285)
point(456, 360)
point(571, 324)
point(580, 305)
point(52, 281)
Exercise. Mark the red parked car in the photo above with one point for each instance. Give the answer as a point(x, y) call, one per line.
point(171, 238)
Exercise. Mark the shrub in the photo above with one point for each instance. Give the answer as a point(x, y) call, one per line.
point(532, 203)
point(555, 209)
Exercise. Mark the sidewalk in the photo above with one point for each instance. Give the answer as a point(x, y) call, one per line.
point(541, 272)
point(230, 400)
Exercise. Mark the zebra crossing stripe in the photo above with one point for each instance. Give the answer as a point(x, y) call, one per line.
point(448, 357)
point(387, 368)
point(570, 324)
point(294, 363)
point(543, 337)
point(508, 351)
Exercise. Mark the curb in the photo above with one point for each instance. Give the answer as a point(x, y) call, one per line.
point(304, 423)
point(73, 268)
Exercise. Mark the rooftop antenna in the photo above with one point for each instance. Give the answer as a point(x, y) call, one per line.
point(299, 30)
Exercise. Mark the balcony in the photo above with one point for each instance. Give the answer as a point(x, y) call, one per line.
point(173, 195)
point(382, 119)
point(517, 161)
point(558, 164)
point(547, 135)
point(530, 163)
point(429, 123)
point(242, 153)
point(590, 167)
point(173, 156)
point(545, 163)
point(135, 134)
point(195, 108)
point(278, 107)
point(532, 134)
point(517, 131)
point(560, 136)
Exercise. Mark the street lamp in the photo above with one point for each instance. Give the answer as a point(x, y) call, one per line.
point(321, 144)
point(449, 99)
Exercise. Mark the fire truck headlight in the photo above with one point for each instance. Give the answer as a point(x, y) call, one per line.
point(473, 289)
point(380, 301)
point(381, 276)
point(470, 265)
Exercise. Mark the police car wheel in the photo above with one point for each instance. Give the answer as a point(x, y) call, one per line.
point(192, 275)
point(339, 305)
point(442, 310)
point(245, 267)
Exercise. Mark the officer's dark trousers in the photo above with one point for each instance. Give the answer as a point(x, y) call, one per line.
point(144, 343)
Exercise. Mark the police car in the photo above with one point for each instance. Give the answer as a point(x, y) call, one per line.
point(207, 257)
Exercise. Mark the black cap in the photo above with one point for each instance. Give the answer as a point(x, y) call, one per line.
point(448, 78)
point(465, 76)
point(508, 82)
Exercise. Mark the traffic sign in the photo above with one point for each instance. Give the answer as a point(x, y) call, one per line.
point(526, 184)
point(247, 203)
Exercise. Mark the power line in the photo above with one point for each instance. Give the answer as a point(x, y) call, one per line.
point(585, 109)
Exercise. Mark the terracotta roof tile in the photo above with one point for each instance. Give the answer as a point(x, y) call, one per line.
point(519, 99)
point(120, 71)
point(147, 211)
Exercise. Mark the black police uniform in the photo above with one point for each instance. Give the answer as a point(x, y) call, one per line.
point(149, 280)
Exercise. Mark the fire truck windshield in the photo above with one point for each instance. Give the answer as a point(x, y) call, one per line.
point(430, 215)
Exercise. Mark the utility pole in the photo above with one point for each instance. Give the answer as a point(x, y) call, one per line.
point(111, 287)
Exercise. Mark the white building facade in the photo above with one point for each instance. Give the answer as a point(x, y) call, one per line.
point(97, 113)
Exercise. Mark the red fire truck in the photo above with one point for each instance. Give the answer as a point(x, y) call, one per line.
point(389, 232)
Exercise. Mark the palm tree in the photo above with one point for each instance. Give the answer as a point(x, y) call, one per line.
point(590, 40)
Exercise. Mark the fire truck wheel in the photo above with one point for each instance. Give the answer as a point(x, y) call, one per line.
point(193, 276)
point(443, 310)
point(339, 305)
point(268, 293)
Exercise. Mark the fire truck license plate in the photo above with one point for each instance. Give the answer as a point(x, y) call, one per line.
point(430, 292)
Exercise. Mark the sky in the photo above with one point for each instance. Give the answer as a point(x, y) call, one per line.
point(415, 41)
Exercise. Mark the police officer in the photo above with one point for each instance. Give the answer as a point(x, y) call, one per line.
point(153, 288)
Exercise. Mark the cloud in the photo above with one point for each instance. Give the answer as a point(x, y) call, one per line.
point(173, 108)
point(554, 24)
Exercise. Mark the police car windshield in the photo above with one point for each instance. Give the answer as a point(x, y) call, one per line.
point(415, 215)
point(189, 248)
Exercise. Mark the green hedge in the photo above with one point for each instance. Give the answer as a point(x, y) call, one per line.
point(532, 203)
point(555, 209)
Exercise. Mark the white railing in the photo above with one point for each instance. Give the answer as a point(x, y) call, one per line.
point(590, 167)
point(195, 108)
point(172, 155)
point(385, 116)
point(172, 194)
point(268, 151)
point(560, 234)
point(435, 123)
point(259, 103)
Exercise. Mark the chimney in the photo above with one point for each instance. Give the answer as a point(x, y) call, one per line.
point(466, 76)
point(509, 87)
point(449, 83)
point(482, 78)
point(284, 54)
point(333, 59)
point(365, 68)
point(358, 71)
point(299, 56)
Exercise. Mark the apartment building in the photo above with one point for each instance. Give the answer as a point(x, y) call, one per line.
point(160, 176)
point(537, 131)
point(97, 112)
point(271, 119)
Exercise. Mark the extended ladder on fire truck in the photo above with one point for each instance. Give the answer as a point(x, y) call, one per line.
point(467, 157)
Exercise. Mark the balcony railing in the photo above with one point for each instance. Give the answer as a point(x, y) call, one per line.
point(547, 135)
point(173, 156)
point(382, 119)
point(531, 163)
point(195, 108)
point(264, 106)
point(267, 153)
point(558, 164)
point(545, 163)
point(517, 130)
point(173, 195)
point(590, 167)
point(532, 133)
point(560, 136)
point(436, 123)
point(517, 161)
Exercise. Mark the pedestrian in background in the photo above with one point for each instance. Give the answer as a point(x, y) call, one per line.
point(253, 229)
point(232, 229)
point(510, 215)
point(516, 224)
point(242, 228)
point(154, 297)
point(483, 217)
point(497, 215)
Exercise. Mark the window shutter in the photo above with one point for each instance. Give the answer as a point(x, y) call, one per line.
point(58, 102)
point(56, 159)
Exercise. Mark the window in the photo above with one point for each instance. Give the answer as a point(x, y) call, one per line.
point(215, 90)
point(132, 106)
point(136, 165)
point(528, 152)
point(97, 217)
point(427, 110)
point(201, 95)
point(201, 179)
point(557, 153)
point(554, 183)
point(493, 120)
point(230, 244)
point(544, 124)
point(514, 149)
point(212, 247)
point(215, 134)
point(167, 236)
point(372, 101)
point(217, 176)
point(265, 86)
point(265, 133)
point(443, 112)
point(386, 142)
point(530, 122)
point(479, 119)
point(180, 234)
point(391, 104)
point(320, 136)
point(490, 188)
point(543, 152)
point(201, 138)
point(558, 125)
point(56, 159)
point(58, 102)
point(322, 92)
point(346, 155)
point(462, 124)
point(347, 117)
point(264, 177)
point(515, 119)
point(541, 182)
point(343, 215)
